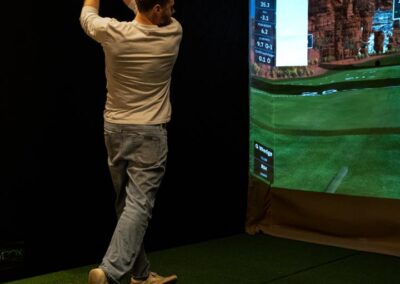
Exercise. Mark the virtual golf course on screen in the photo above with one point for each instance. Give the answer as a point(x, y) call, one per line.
point(325, 95)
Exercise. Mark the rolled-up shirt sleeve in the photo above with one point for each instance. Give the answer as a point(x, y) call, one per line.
point(94, 25)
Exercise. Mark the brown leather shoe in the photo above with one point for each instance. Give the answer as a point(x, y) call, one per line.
point(97, 276)
point(154, 278)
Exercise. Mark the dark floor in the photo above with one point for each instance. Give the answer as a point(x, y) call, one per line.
point(260, 259)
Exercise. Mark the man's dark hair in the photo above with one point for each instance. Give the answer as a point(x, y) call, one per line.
point(147, 5)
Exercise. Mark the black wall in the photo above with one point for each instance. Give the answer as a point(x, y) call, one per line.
point(56, 194)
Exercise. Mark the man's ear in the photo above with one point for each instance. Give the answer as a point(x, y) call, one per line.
point(157, 8)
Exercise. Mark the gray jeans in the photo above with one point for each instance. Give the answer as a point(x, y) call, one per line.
point(136, 158)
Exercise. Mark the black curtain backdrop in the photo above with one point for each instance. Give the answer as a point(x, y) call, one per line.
point(56, 195)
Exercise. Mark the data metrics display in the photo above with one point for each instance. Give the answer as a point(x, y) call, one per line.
point(280, 41)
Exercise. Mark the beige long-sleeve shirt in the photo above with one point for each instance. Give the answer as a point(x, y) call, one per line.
point(138, 60)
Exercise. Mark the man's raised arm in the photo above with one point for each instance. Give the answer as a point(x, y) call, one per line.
point(92, 3)
point(131, 5)
point(93, 25)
